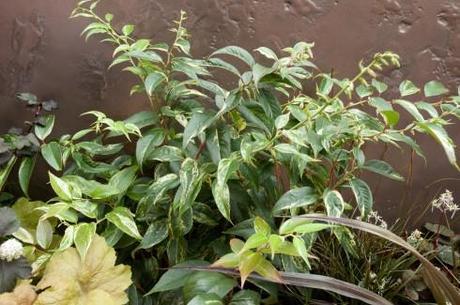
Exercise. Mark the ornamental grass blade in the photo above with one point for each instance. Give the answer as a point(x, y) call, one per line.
point(313, 281)
point(443, 290)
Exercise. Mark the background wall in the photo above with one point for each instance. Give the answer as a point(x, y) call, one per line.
point(42, 52)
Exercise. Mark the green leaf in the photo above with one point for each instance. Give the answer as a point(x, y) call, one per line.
point(363, 195)
point(434, 88)
point(206, 299)
point(83, 236)
point(175, 277)
point(220, 188)
point(6, 170)
point(411, 108)
point(123, 219)
point(123, 179)
point(326, 84)
point(364, 91)
point(25, 172)
point(282, 121)
point(67, 239)
point(202, 283)
point(429, 108)
point(61, 188)
point(382, 168)
point(127, 29)
point(237, 52)
point(44, 234)
point(408, 88)
point(268, 53)
point(166, 153)
point(442, 137)
point(156, 233)
point(259, 72)
point(246, 297)
point(334, 203)
point(152, 81)
point(44, 130)
point(52, 153)
point(380, 86)
point(299, 197)
point(290, 149)
point(197, 124)
point(146, 144)
point(221, 195)
point(219, 63)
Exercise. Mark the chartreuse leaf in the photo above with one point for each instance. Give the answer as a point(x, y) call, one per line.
point(83, 237)
point(434, 88)
point(298, 197)
point(363, 196)
point(25, 172)
point(301, 226)
point(249, 261)
point(299, 244)
point(382, 168)
point(123, 219)
point(71, 279)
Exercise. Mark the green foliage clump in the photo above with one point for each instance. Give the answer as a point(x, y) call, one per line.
point(221, 175)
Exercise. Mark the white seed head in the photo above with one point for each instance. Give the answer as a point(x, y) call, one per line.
point(376, 219)
point(415, 237)
point(445, 203)
point(11, 250)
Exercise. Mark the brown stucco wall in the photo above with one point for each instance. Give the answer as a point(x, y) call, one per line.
point(41, 52)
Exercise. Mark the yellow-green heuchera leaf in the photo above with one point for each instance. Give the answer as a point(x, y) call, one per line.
point(70, 280)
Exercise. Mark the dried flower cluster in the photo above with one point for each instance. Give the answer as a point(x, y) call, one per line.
point(445, 203)
point(11, 250)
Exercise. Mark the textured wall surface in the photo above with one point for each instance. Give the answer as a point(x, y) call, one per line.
point(42, 52)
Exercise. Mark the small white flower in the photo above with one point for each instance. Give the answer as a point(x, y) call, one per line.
point(11, 250)
point(415, 237)
point(445, 203)
point(376, 219)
